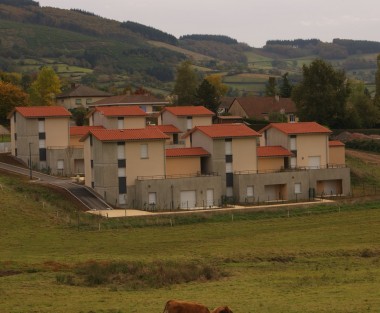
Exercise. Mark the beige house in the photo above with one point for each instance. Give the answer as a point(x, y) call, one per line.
point(80, 96)
point(272, 159)
point(147, 103)
point(115, 158)
point(117, 117)
point(40, 136)
point(185, 117)
point(309, 173)
point(182, 162)
point(260, 108)
point(337, 153)
point(308, 141)
point(232, 147)
point(173, 133)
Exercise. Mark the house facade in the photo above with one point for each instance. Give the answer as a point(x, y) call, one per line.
point(40, 137)
point(80, 96)
point(185, 118)
point(261, 108)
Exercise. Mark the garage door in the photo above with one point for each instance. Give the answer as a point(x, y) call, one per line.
point(330, 187)
point(271, 192)
point(188, 199)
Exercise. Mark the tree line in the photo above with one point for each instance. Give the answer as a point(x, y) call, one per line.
point(217, 38)
point(149, 32)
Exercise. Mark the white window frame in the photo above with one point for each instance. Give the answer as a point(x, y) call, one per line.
point(152, 198)
point(60, 164)
point(144, 153)
point(250, 191)
point(297, 188)
point(189, 122)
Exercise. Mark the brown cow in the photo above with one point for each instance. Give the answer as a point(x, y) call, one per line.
point(176, 306)
point(222, 309)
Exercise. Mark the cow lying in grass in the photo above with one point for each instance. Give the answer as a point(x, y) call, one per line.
point(176, 306)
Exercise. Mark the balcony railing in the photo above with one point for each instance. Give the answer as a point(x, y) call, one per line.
point(295, 169)
point(198, 174)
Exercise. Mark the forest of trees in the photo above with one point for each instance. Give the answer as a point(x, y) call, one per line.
point(218, 38)
point(150, 32)
point(19, 3)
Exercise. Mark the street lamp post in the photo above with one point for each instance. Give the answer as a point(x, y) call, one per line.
point(30, 161)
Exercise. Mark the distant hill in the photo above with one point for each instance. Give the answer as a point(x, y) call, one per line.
point(109, 54)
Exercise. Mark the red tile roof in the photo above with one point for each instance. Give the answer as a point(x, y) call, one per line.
point(149, 133)
point(272, 151)
point(225, 131)
point(186, 152)
point(259, 107)
point(133, 110)
point(42, 111)
point(336, 143)
point(82, 130)
point(168, 129)
point(299, 128)
point(130, 100)
point(189, 111)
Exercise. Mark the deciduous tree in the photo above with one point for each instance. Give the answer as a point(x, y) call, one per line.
point(44, 89)
point(322, 94)
point(10, 97)
point(216, 80)
point(186, 84)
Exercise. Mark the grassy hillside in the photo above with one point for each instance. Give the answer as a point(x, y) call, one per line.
point(84, 47)
point(56, 258)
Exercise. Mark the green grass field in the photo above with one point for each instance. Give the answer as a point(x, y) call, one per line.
point(319, 259)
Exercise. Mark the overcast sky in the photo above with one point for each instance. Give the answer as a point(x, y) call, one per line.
point(250, 21)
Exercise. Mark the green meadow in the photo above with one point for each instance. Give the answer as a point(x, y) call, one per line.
point(55, 258)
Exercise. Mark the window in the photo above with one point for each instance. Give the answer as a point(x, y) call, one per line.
point(292, 118)
point(152, 198)
point(189, 122)
point(41, 135)
point(42, 154)
point(78, 101)
point(175, 139)
point(122, 185)
point(249, 191)
point(88, 100)
point(60, 164)
point(293, 143)
point(229, 158)
point(297, 188)
point(120, 123)
point(229, 179)
point(144, 151)
point(121, 163)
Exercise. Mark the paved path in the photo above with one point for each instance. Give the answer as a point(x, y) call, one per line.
point(85, 195)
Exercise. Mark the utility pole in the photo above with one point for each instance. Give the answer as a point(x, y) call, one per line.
point(30, 161)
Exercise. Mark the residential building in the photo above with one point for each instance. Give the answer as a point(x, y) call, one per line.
point(80, 96)
point(117, 117)
point(232, 147)
point(185, 117)
point(261, 108)
point(40, 137)
point(147, 103)
point(130, 169)
point(309, 173)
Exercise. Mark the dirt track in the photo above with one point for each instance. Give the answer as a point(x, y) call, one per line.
point(364, 156)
